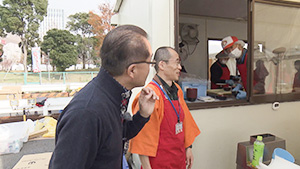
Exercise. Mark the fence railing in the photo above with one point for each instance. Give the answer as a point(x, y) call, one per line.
point(46, 77)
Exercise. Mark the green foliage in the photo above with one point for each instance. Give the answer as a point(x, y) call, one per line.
point(61, 44)
point(79, 24)
point(85, 43)
point(85, 48)
point(23, 17)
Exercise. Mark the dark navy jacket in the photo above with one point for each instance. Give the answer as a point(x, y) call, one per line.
point(90, 129)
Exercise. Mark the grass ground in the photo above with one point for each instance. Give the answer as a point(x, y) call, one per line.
point(18, 78)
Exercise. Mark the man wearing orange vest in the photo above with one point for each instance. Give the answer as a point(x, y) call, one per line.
point(165, 141)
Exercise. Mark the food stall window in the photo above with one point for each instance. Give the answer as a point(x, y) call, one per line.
point(276, 52)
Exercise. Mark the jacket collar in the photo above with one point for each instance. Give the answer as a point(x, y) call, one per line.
point(113, 89)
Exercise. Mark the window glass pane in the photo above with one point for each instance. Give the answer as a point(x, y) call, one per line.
point(200, 33)
point(276, 48)
point(214, 48)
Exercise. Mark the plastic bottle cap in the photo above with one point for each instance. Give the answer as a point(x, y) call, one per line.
point(259, 138)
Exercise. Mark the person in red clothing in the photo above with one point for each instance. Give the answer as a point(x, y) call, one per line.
point(165, 141)
point(235, 48)
point(220, 72)
point(296, 84)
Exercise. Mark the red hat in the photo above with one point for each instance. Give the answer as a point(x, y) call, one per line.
point(228, 41)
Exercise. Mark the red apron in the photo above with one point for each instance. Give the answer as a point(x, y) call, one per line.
point(225, 76)
point(170, 151)
point(242, 67)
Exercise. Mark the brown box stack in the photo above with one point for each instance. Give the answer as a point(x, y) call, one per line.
point(245, 150)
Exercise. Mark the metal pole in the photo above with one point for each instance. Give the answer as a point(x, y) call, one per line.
point(276, 76)
point(25, 78)
point(64, 77)
point(45, 108)
point(40, 77)
point(48, 63)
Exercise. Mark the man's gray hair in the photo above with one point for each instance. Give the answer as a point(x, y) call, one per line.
point(162, 54)
point(122, 46)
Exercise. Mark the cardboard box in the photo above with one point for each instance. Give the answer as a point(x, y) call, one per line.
point(245, 150)
point(201, 88)
point(34, 161)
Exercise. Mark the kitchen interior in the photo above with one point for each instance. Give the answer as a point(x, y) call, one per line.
point(202, 26)
point(204, 23)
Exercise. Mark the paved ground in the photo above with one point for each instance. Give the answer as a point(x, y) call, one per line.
point(8, 161)
point(57, 100)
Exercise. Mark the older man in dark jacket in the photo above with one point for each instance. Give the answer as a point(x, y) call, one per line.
point(92, 129)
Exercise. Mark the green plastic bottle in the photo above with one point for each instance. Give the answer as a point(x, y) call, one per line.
point(258, 151)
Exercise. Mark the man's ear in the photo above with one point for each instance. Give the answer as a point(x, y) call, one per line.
point(161, 65)
point(131, 70)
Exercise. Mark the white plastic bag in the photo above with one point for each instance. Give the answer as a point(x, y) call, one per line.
point(12, 136)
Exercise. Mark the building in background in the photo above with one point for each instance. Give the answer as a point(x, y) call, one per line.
point(54, 19)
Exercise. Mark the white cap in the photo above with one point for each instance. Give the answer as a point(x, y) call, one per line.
point(242, 43)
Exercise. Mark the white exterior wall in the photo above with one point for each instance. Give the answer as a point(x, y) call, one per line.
point(222, 128)
point(154, 17)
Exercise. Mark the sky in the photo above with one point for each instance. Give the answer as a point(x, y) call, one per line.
point(71, 7)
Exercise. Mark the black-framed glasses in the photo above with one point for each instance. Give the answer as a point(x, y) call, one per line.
point(139, 62)
point(178, 62)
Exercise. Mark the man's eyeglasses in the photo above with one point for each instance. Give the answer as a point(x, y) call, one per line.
point(178, 62)
point(150, 63)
